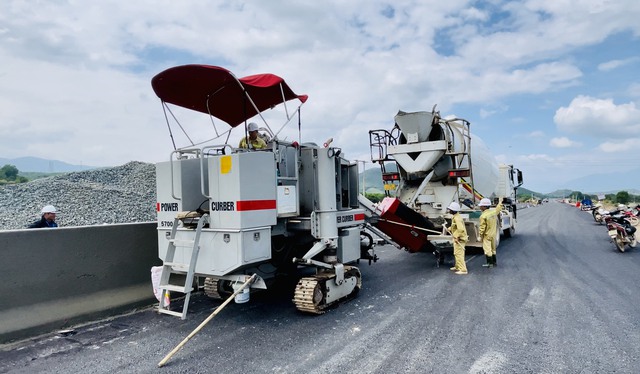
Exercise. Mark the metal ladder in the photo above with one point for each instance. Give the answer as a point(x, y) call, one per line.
point(167, 268)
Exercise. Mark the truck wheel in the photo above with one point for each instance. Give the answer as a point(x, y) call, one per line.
point(509, 232)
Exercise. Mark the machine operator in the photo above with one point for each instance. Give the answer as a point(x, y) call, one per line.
point(253, 141)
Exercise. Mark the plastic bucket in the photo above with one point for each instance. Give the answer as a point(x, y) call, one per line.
point(243, 296)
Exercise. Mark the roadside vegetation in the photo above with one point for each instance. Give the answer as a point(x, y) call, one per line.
point(9, 174)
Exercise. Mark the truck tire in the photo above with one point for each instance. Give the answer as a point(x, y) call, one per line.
point(509, 232)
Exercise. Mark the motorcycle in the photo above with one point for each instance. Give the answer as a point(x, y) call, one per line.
point(632, 214)
point(620, 230)
point(598, 213)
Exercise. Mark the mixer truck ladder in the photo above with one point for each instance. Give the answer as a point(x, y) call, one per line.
point(169, 264)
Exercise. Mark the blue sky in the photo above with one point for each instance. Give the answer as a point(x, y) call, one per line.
point(552, 87)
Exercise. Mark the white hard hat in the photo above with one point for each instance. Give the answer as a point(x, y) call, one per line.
point(454, 206)
point(485, 202)
point(252, 126)
point(49, 209)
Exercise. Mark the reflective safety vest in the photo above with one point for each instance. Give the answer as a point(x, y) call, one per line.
point(458, 230)
point(488, 222)
point(258, 143)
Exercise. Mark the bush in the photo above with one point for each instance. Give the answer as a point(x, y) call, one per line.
point(9, 174)
point(622, 197)
point(374, 197)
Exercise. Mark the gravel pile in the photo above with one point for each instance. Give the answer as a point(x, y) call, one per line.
point(120, 194)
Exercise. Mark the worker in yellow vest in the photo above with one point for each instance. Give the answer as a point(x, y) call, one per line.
point(460, 238)
point(488, 230)
point(253, 141)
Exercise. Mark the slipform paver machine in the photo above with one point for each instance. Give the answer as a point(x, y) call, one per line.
point(225, 213)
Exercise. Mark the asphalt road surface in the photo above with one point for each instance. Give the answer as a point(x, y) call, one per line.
point(562, 300)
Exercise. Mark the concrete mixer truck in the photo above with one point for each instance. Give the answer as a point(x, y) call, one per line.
point(428, 162)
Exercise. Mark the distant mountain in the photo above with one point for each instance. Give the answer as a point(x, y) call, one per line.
point(562, 193)
point(524, 191)
point(567, 193)
point(40, 165)
point(371, 178)
point(607, 183)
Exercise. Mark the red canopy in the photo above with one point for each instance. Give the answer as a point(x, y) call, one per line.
point(196, 86)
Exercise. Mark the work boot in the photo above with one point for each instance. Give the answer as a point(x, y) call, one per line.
point(489, 263)
point(459, 272)
point(494, 261)
point(453, 269)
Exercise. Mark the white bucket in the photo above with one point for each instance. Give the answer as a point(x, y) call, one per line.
point(243, 296)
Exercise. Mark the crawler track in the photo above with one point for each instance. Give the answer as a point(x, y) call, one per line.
point(212, 288)
point(310, 292)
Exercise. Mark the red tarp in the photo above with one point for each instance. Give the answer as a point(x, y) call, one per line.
point(195, 86)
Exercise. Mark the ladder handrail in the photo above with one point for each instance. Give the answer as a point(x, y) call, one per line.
point(167, 269)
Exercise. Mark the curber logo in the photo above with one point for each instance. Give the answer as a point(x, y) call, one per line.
point(222, 206)
point(350, 218)
point(342, 219)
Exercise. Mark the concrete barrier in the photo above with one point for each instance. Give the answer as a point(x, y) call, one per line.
point(54, 278)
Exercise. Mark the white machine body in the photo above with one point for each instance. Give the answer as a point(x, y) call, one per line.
point(246, 199)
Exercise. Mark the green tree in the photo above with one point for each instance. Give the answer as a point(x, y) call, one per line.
point(9, 172)
point(577, 195)
point(622, 197)
point(374, 197)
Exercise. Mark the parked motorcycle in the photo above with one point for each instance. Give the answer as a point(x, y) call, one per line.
point(598, 212)
point(632, 214)
point(620, 230)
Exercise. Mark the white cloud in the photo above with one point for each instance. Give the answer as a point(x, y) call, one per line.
point(484, 113)
point(536, 134)
point(563, 142)
point(492, 110)
point(535, 157)
point(614, 64)
point(626, 145)
point(598, 118)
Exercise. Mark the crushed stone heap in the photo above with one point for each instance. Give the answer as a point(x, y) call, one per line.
point(121, 194)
